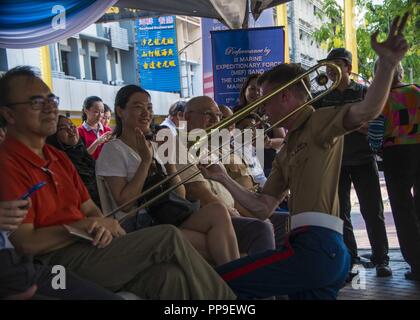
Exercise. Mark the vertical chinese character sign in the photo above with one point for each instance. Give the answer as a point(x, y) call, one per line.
point(157, 54)
point(238, 53)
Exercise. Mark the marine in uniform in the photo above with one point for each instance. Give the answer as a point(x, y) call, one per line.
point(314, 262)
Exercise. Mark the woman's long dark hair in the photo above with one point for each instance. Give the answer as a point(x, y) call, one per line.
point(242, 97)
point(87, 104)
point(121, 100)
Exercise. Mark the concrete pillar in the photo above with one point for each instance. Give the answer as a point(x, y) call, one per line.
point(128, 66)
point(101, 73)
point(88, 70)
point(74, 62)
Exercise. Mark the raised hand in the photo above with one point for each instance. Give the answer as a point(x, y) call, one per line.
point(144, 147)
point(393, 49)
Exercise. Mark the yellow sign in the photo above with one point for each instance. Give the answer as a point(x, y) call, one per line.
point(159, 64)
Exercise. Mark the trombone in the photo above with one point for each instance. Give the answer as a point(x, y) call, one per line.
point(320, 79)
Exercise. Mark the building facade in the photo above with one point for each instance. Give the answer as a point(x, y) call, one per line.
point(97, 61)
point(102, 58)
point(190, 55)
point(302, 22)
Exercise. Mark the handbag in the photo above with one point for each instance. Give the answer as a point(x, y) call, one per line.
point(171, 208)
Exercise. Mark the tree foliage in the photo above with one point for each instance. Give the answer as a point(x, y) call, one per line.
point(371, 17)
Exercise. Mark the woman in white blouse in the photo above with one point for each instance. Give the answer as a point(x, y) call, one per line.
point(125, 163)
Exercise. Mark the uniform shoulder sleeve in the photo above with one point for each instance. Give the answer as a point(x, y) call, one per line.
point(327, 124)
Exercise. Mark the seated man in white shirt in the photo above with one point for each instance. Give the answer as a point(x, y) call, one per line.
point(254, 235)
point(176, 114)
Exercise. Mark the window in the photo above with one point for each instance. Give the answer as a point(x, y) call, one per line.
point(116, 56)
point(65, 62)
point(93, 67)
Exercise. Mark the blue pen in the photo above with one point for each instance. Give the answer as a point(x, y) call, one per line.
point(33, 189)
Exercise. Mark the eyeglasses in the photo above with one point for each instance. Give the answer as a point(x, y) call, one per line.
point(210, 114)
point(67, 128)
point(39, 103)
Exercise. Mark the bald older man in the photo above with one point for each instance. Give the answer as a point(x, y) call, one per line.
point(254, 235)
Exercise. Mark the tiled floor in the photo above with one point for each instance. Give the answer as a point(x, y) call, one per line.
point(367, 286)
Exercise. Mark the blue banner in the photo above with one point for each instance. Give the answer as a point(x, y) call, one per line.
point(157, 54)
point(266, 19)
point(239, 53)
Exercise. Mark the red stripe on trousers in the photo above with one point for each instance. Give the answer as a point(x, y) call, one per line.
point(278, 256)
point(275, 257)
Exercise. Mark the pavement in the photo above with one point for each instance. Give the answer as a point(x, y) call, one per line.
point(367, 286)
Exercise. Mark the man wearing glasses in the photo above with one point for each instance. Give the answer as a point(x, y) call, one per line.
point(254, 235)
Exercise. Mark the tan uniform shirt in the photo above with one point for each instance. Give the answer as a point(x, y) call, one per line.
point(309, 163)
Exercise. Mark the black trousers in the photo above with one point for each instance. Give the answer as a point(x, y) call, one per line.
point(365, 180)
point(402, 175)
point(19, 273)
